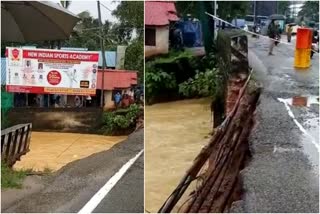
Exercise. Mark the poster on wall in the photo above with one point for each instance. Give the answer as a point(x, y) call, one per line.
point(44, 71)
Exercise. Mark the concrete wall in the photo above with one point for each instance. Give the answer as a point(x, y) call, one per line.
point(162, 42)
point(84, 120)
point(108, 99)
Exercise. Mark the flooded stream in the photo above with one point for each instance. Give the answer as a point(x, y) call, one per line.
point(175, 132)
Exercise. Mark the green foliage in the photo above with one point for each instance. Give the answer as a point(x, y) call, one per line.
point(159, 75)
point(157, 80)
point(283, 7)
point(11, 178)
point(226, 9)
point(208, 80)
point(173, 57)
point(86, 33)
point(202, 84)
point(120, 120)
point(5, 123)
point(130, 14)
point(310, 9)
point(134, 58)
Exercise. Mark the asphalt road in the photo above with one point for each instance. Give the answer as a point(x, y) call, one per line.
point(283, 174)
point(76, 183)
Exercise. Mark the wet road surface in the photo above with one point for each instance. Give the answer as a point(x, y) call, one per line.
point(175, 134)
point(71, 187)
point(283, 174)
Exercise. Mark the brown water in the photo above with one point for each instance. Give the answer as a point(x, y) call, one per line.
point(53, 150)
point(175, 132)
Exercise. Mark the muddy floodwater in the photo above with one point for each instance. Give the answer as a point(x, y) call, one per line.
point(52, 150)
point(175, 132)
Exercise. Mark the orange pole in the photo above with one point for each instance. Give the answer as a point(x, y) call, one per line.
point(303, 48)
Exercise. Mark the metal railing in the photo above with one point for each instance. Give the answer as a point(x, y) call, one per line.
point(15, 142)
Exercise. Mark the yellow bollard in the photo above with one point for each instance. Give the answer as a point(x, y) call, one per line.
point(303, 48)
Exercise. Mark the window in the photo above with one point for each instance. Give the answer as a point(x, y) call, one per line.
point(150, 37)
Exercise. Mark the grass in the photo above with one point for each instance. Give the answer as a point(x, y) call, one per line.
point(11, 178)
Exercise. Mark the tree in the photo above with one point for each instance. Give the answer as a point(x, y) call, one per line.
point(86, 33)
point(65, 4)
point(283, 7)
point(134, 58)
point(229, 10)
point(310, 9)
point(226, 9)
point(130, 15)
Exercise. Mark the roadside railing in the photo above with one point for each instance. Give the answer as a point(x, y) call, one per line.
point(15, 142)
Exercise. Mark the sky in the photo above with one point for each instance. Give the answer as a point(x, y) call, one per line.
point(79, 6)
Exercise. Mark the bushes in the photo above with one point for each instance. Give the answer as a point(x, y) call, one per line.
point(120, 121)
point(202, 84)
point(208, 80)
point(182, 74)
point(164, 73)
point(11, 178)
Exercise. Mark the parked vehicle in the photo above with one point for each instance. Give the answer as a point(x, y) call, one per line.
point(262, 20)
point(240, 23)
point(249, 21)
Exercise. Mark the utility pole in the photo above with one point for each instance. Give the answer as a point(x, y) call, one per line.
point(254, 12)
point(215, 14)
point(103, 53)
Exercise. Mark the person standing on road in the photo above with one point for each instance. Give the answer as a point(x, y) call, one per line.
point(289, 33)
point(272, 33)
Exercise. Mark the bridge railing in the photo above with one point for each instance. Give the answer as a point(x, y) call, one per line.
point(15, 142)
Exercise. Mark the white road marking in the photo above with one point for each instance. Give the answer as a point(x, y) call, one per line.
point(97, 198)
point(298, 124)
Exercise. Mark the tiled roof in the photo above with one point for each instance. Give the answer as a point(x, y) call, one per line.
point(117, 79)
point(160, 13)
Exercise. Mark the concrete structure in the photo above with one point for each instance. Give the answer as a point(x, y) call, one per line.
point(158, 16)
point(121, 53)
point(161, 44)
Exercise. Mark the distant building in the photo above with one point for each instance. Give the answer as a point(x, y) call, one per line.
point(158, 17)
point(115, 81)
point(263, 8)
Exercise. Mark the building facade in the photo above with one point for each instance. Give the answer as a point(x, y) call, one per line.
point(158, 17)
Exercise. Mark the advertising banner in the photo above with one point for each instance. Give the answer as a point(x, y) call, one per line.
point(44, 71)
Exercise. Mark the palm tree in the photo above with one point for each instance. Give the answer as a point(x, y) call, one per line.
point(65, 4)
